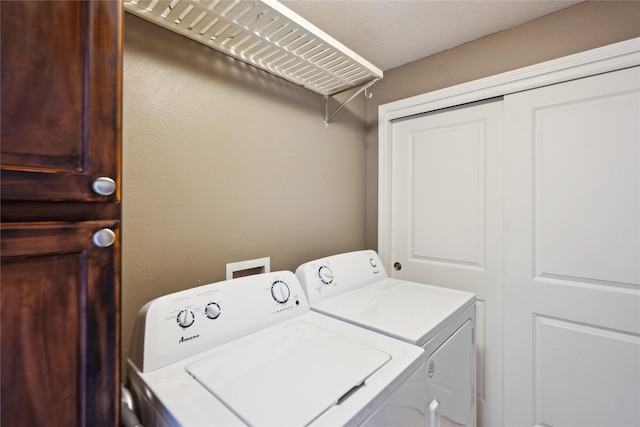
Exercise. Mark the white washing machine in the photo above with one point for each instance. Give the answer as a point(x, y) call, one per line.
point(354, 287)
point(249, 351)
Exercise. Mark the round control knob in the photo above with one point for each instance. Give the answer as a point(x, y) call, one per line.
point(280, 291)
point(212, 310)
point(373, 262)
point(325, 274)
point(186, 318)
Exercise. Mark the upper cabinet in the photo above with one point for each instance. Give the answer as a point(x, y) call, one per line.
point(60, 100)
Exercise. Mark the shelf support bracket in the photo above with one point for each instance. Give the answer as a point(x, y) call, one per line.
point(364, 88)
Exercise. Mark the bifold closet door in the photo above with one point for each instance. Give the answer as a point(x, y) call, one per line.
point(446, 217)
point(572, 253)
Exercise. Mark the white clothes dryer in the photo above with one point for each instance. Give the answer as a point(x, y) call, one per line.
point(354, 287)
point(249, 351)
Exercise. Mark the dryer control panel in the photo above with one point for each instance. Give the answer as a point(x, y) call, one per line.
point(180, 325)
point(327, 277)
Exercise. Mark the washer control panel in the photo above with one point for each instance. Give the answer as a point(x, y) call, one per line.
point(179, 325)
point(327, 277)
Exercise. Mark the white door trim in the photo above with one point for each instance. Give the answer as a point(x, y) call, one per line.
point(601, 60)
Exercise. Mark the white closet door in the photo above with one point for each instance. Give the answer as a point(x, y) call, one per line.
point(572, 253)
point(446, 210)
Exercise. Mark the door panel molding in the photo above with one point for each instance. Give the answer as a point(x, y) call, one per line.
point(564, 133)
point(579, 369)
point(431, 154)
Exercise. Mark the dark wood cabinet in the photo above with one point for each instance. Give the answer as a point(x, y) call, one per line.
point(59, 90)
point(59, 325)
point(60, 111)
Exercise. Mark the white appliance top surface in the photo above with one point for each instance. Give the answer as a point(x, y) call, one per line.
point(174, 391)
point(289, 375)
point(412, 312)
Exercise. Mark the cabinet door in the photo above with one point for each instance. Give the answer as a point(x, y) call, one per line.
point(61, 93)
point(59, 311)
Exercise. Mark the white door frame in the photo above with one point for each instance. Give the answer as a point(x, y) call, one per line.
point(601, 60)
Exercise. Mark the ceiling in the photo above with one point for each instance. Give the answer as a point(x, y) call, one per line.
point(390, 33)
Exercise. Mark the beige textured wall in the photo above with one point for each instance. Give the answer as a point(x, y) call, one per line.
point(223, 163)
point(582, 27)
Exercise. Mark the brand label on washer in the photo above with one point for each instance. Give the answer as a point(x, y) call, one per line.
point(431, 368)
point(185, 339)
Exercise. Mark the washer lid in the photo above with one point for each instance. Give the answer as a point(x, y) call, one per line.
point(409, 311)
point(288, 375)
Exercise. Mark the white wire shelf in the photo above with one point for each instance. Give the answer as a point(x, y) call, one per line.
point(266, 34)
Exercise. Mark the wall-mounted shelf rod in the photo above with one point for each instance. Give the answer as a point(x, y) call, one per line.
point(365, 87)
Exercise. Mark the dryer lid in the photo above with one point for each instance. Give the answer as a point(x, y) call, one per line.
point(288, 375)
point(409, 311)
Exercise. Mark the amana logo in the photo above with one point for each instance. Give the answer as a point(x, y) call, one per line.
point(183, 339)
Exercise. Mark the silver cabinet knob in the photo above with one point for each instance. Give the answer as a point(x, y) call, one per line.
point(104, 186)
point(104, 238)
